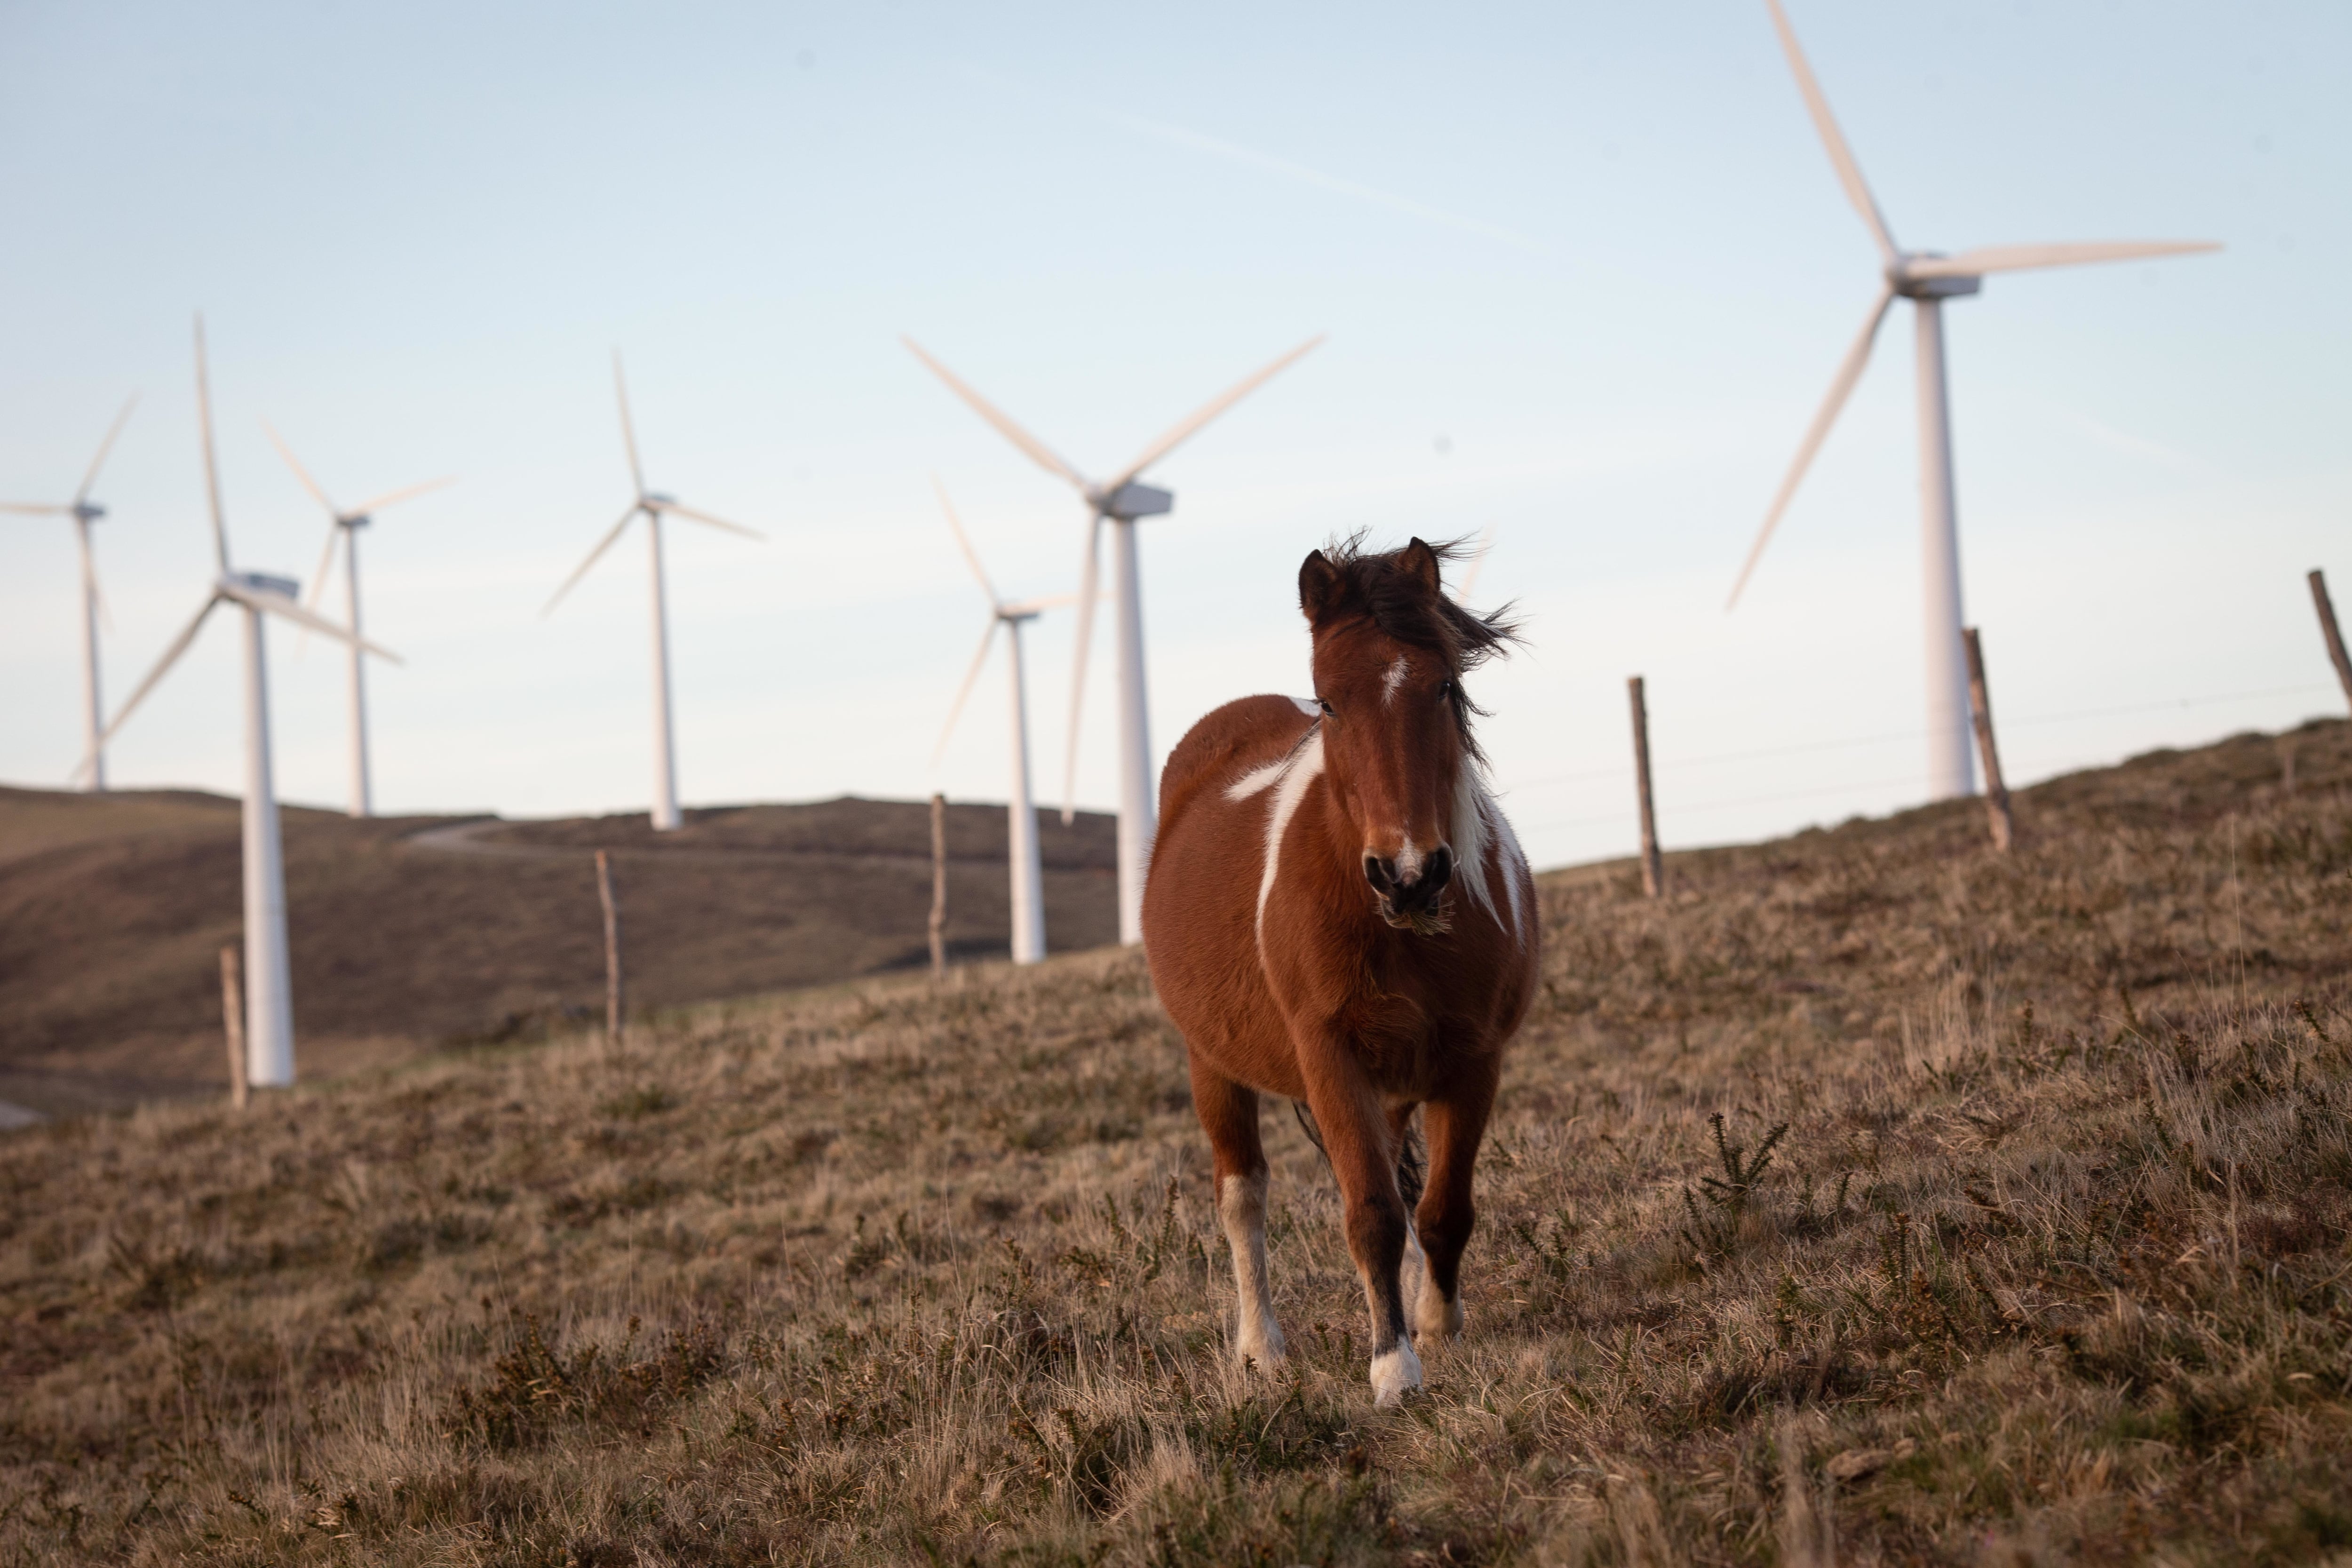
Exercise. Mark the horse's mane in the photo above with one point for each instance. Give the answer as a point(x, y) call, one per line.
point(1381, 586)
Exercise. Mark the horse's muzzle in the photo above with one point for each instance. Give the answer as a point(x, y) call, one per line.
point(1412, 903)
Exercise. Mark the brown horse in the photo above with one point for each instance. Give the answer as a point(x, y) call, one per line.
point(1338, 912)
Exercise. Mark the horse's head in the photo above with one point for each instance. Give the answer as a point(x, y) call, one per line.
point(1389, 653)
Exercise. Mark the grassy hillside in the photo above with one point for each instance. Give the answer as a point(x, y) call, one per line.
point(2048, 1260)
point(409, 931)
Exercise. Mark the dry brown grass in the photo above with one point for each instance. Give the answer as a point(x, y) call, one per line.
point(2050, 1263)
point(112, 909)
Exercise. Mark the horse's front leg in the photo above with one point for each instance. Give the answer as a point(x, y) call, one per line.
point(1228, 1112)
point(1457, 1123)
point(1355, 1136)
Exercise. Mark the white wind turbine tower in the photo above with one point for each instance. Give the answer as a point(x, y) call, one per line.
point(1120, 501)
point(85, 511)
point(655, 506)
point(1021, 824)
point(1926, 279)
point(269, 987)
point(343, 527)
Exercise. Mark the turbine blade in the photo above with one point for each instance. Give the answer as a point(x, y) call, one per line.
point(405, 492)
point(1478, 564)
point(212, 469)
point(1039, 453)
point(970, 556)
point(1087, 591)
point(1841, 387)
point(1176, 433)
point(2022, 257)
point(673, 509)
point(300, 471)
point(105, 446)
point(319, 579)
point(139, 694)
point(971, 676)
point(628, 433)
point(279, 604)
point(37, 508)
point(1849, 173)
point(602, 545)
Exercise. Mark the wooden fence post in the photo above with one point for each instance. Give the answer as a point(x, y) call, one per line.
point(613, 992)
point(2005, 828)
point(939, 886)
point(232, 1021)
point(2328, 629)
point(1653, 865)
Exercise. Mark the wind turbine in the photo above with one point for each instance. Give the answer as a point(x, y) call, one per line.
point(654, 505)
point(1021, 836)
point(269, 987)
point(1120, 501)
point(85, 511)
point(1926, 279)
point(344, 527)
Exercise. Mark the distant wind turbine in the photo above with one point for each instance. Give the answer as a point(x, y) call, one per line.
point(653, 506)
point(1926, 279)
point(1120, 501)
point(85, 511)
point(268, 986)
point(1021, 812)
point(344, 527)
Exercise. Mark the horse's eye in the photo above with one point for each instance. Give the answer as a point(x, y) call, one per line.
point(1445, 688)
point(1325, 705)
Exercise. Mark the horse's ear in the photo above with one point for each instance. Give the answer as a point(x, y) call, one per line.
point(1318, 580)
point(1421, 560)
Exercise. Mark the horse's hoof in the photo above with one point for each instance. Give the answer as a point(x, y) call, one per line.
point(1266, 1358)
point(1396, 1371)
point(1264, 1348)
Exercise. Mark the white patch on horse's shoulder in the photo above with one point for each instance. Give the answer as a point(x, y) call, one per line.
point(1394, 1371)
point(1301, 768)
point(1515, 860)
point(1394, 679)
point(1257, 779)
point(1308, 705)
point(1472, 839)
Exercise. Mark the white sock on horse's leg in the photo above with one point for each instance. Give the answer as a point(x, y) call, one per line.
point(1241, 1205)
point(1436, 1315)
point(1396, 1370)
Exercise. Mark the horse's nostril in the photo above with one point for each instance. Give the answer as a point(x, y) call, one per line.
point(1380, 873)
point(1439, 869)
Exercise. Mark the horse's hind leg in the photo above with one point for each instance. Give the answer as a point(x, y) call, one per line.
point(1457, 1124)
point(1228, 1112)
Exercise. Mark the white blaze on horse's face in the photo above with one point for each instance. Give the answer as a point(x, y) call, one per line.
point(1393, 749)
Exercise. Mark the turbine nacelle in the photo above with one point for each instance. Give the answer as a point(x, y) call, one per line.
point(261, 583)
point(1906, 277)
point(88, 511)
point(654, 500)
point(1131, 501)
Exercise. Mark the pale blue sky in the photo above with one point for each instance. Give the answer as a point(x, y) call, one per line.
point(1597, 249)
